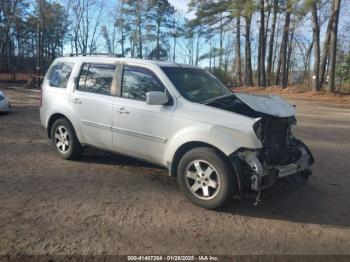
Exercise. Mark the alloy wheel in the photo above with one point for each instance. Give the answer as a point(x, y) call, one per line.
point(62, 139)
point(202, 179)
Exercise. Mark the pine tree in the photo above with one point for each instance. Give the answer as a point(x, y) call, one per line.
point(161, 13)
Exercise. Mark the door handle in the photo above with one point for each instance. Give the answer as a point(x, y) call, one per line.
point(77, 101)
point(121, 110)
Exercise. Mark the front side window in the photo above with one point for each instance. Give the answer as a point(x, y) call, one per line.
point(60, 74)
point(196, 85)
point(96, 78)
point(138, 81)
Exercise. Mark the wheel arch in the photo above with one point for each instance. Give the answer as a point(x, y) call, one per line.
point(52, 120)
point(233, 162)
point(183, 149)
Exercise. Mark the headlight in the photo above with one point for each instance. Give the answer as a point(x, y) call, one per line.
point(258, 129)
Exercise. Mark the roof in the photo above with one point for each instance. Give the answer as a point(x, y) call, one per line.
point(106, 58)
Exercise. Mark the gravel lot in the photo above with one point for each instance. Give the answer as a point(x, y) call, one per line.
point(109, 204)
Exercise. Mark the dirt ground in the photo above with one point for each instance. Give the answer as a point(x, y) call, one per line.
point(108, 204)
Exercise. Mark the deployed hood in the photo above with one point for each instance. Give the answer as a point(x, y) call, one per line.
point(269, 104)
point(254, 105)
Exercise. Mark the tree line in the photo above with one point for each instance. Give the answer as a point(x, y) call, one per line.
point(243, 42)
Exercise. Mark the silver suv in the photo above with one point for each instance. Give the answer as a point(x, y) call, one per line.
point(216, 142)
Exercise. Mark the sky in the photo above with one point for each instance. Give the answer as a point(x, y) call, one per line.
point(180, 5)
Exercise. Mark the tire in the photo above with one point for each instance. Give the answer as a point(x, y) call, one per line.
point(65, 140)
point(198, 171)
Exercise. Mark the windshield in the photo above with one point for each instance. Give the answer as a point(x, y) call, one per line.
point(196, 85)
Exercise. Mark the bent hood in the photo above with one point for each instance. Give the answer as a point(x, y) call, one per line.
point(267, 104)
point(254, 105)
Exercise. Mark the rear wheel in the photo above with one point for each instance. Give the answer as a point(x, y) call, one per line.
point(65, 140)
point(205, 177)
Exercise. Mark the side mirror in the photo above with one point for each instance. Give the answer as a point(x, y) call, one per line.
point(156, 98)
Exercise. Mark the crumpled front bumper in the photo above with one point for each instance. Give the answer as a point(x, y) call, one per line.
point(282, 171)
point(265, 176)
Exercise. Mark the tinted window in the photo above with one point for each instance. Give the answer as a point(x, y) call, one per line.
point(138, 81)
point(60, 74)
point(96, 78)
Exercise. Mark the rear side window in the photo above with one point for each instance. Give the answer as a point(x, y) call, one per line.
point(137, 81)
point(96, 78)
point(60, 74)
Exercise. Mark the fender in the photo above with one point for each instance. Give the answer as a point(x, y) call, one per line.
point(67, 115)
point(225, 139)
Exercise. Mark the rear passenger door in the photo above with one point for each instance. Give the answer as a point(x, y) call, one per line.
point(92, 101)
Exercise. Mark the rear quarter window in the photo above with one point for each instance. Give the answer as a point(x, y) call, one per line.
point(60, 74)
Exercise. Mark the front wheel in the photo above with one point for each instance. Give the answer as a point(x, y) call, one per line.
point(205, 177)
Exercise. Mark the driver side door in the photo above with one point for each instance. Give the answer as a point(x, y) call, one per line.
point(139, 129)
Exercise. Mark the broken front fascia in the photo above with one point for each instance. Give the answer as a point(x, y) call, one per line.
point(259, 171)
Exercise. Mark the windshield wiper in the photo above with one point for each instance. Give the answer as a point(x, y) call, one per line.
point(215, 98)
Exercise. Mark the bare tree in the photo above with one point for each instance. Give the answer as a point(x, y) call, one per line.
point(176, 32)
point(333, 45)
point(284, 46)
point(271, 42)
point(110, 39)
point(262, 46)
point(316, 47)
point(325, 51)
point(86, 18)
point(248, 51)
point(238, 49)
point(120, 23)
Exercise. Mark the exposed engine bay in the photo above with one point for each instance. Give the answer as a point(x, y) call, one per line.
point(279, 145)
point(281, 153)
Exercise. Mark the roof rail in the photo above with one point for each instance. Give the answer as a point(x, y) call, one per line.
point(93, 54)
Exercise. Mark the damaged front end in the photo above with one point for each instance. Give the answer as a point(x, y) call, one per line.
point(281, 155)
